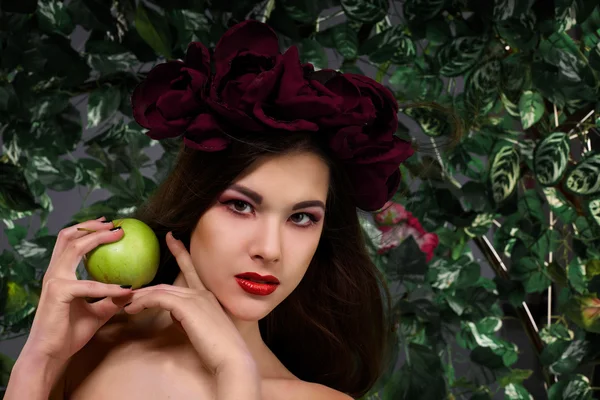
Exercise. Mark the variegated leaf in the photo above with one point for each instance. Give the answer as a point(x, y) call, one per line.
point(460, 55)
point(346, 40)
point(504, 172)
point(422, 10)
point(505, 9)
point(367, 11)
point(551, 158)
point(594, 210)
point(584, 179)
point(482, 87)
point(509, 106)
point(433, 122)
point(531, 108)
point(559, 205)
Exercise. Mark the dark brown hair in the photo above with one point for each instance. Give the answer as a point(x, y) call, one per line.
point(335, 328)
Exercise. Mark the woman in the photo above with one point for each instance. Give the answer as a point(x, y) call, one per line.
point(275, 160)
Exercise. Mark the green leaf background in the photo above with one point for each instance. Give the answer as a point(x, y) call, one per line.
point(507, 164)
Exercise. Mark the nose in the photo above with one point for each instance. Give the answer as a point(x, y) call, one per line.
point(266, 245)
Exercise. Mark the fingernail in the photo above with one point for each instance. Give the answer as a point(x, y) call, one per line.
point(107, 222)
point(174, 237)
point(115, 229)
point(126, 286)
point(126, 305)
point(99, 218)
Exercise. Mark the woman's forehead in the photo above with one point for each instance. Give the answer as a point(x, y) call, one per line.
point(289, 174)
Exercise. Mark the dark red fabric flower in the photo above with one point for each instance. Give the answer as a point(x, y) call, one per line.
point(256, 87)
point(362, 135)
point(169, 102)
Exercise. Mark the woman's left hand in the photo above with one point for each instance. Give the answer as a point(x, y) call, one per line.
point(198, 312)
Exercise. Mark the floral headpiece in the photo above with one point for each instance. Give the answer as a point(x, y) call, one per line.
point(256, 88)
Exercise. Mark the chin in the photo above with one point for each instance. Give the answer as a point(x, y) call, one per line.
point(244, 308)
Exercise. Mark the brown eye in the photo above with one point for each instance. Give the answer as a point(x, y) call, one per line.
point(239, 205)
point(310, 219)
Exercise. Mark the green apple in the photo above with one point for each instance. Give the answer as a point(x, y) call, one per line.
point(132, 260)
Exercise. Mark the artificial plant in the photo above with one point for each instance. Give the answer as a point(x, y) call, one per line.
point(510, 164)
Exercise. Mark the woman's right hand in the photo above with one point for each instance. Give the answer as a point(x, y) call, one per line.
point(64, 321)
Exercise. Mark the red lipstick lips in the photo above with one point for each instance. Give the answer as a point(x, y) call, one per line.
point(254, 283)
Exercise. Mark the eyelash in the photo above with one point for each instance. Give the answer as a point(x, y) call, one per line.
point(311, 217)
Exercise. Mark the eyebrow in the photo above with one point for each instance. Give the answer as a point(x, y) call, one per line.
point(257, 198)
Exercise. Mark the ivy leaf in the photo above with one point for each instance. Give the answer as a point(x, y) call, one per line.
point(102, 103)
point(15, 193)
point(152, 27)
point(17, 301)
point(576, 275)
point(531, 108)
point(191, 26)
point(107, 64)
point(554, 332)
point(531, 273)
point(530, 205)
point(420, 378)
point(564, 357)
point(557, 274)
point(488, 348)
point(407, 262)
point(515, 376)
point(515, 391)
point(47, 106)
point(558, 204)
point(53, 18)
point(584, 311)
point(572, 387)
point(445, 274)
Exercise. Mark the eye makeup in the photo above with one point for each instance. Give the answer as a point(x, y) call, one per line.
point(237, 207)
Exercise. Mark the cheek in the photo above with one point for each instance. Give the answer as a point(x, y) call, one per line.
point(212, 243)
point(302, 251)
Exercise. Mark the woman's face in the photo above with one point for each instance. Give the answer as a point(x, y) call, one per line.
point(269, 221)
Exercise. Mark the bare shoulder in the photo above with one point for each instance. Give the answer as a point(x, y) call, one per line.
point(308, 390)
point(321, 392)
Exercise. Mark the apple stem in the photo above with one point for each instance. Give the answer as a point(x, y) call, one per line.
point(87, 230)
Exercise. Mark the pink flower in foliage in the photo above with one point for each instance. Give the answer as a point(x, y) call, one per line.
point(396, 224)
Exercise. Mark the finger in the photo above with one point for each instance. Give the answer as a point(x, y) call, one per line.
point(184, 260)
point(169, 288)
point(66, 290)
point(66, 265)
point(105, 309)
point(164, 300)
point(66, 235)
